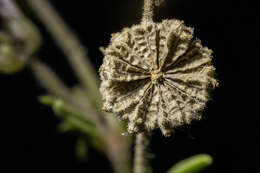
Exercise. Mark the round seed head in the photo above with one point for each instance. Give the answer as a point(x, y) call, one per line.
point(155, 76)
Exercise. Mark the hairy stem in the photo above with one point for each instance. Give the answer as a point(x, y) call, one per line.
point(70, 45)
point(148, 11)
point(141, 164)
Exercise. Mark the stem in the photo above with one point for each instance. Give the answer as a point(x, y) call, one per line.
point(141, 164)
point(76, 55)
point(116, 145)
point(49, 80)
point(118, 152)
point(70, 45)
point(148, 11)
point(55, 86)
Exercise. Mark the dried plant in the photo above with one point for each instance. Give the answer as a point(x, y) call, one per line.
point(154, 75)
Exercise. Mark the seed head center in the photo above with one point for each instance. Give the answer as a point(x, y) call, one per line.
point(156, 76)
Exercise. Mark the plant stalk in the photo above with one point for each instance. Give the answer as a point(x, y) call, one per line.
point(148, 11)
point(70, 45)
point(55, 86)
point(141, 163)
point(117, 147)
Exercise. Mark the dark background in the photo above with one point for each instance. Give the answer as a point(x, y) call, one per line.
point(29, 129)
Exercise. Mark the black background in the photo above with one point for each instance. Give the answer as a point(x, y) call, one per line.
point(29, 129)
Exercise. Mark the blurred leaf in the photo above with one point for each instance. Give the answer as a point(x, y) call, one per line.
point(65, 111)
point(193, 164)
point(81, 148)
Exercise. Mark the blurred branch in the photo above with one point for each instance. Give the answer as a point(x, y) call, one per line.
point(50, 80)
point(11, 15)
point(116, 145)
point(107, 127)
point(70, 45)
point(56, 87)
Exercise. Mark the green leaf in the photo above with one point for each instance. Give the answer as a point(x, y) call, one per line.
point(193, 164)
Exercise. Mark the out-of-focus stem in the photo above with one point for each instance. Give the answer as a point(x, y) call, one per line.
point(56, 87)
point(141, 164)
point(15, 20)
point(117, 147)
point(49, 80)
point(70, 45)
point(9, 11)
point(118, 151)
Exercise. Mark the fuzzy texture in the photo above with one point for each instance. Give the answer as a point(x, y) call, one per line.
point(155, 76)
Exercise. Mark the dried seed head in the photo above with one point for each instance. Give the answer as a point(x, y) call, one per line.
point(155, 76)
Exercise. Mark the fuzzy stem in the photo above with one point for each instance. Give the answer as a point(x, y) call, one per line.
point(148, 11)
point(141, 164)
point(70, 45)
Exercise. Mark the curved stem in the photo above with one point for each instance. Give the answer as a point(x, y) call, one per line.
point(141, 164)
point(55, 86)
point(70, 45)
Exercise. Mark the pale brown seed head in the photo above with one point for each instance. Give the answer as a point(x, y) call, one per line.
point(155, 76)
